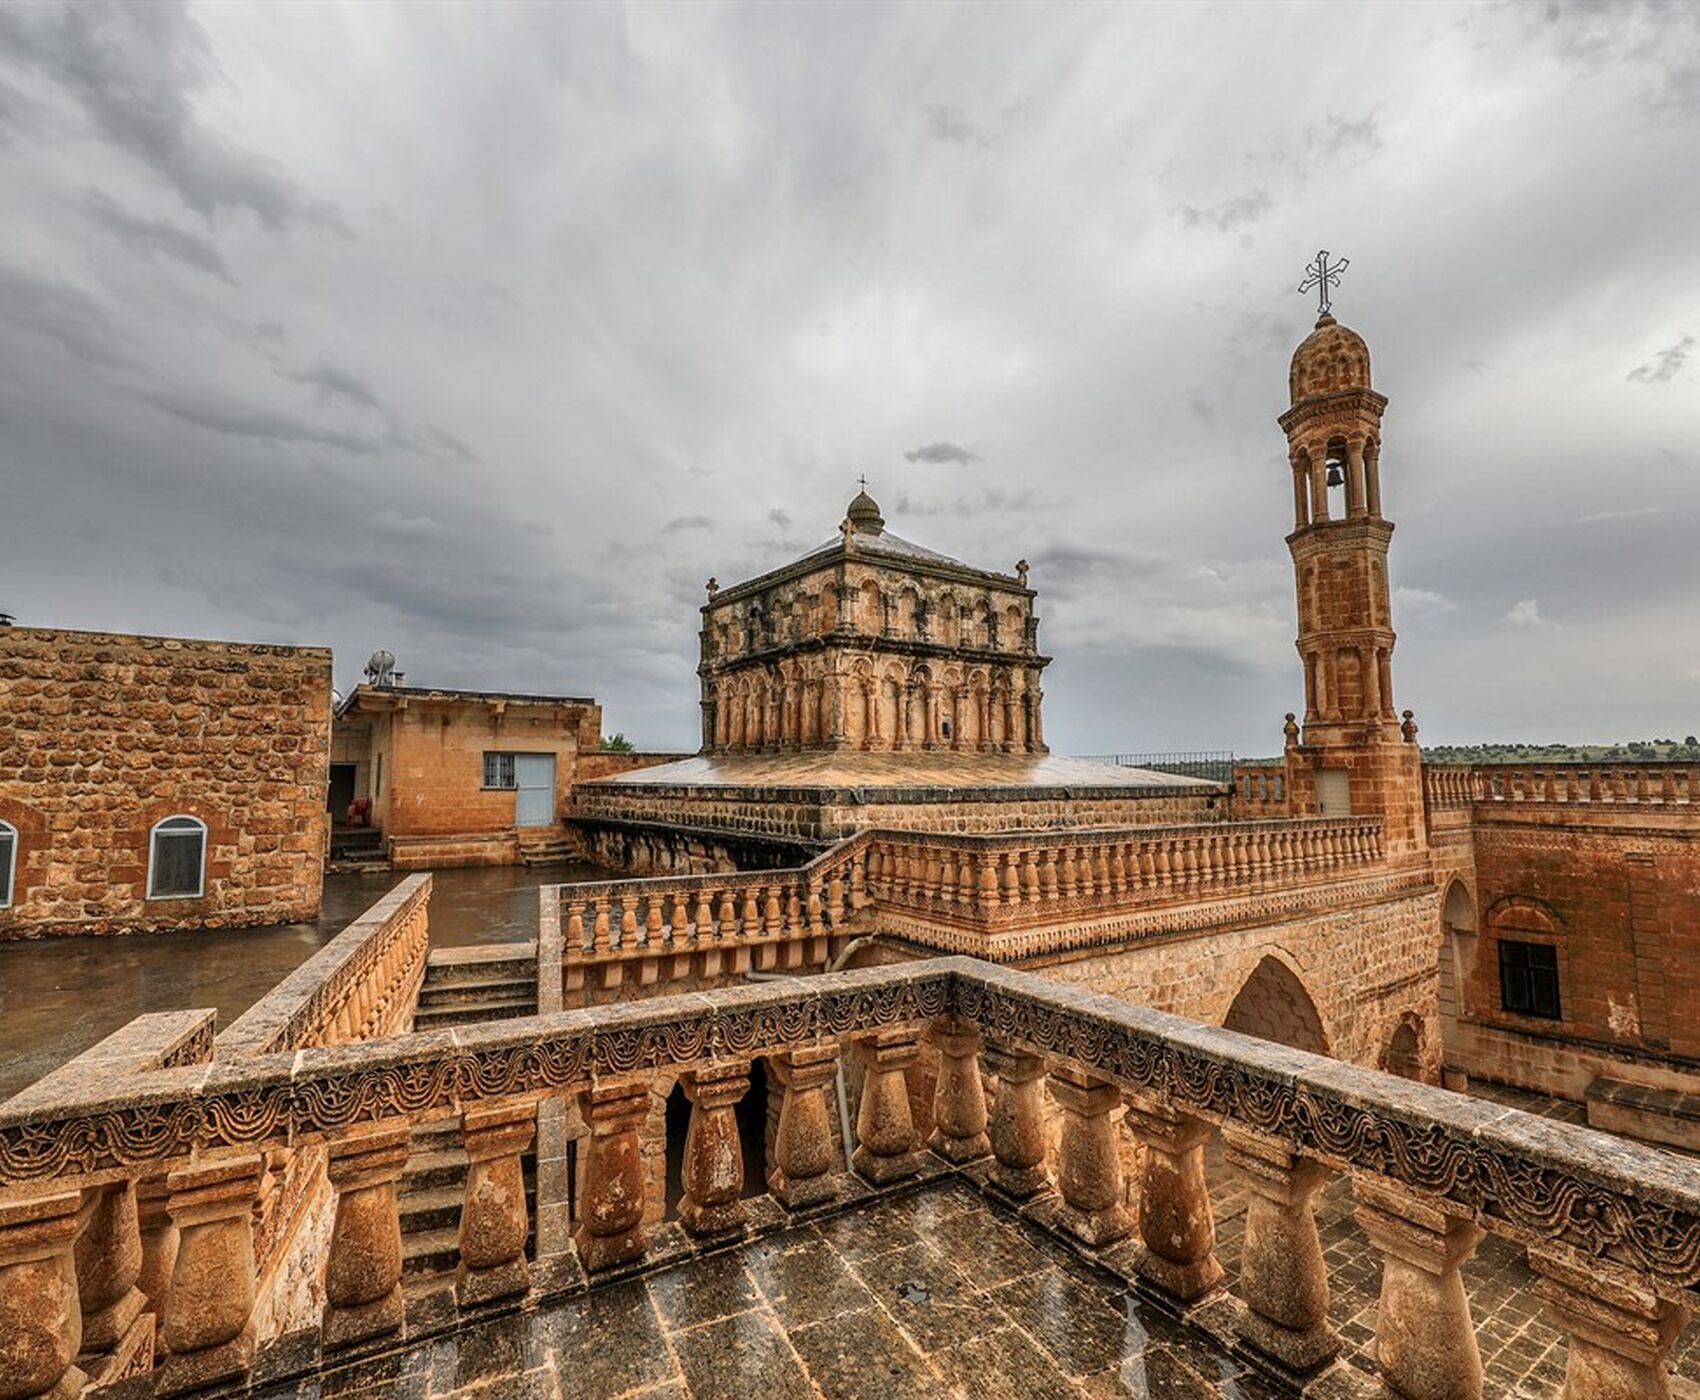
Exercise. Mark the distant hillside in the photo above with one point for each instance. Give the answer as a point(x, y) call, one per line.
point(1631, 751)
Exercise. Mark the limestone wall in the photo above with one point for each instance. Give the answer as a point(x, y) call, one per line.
point(102, 735)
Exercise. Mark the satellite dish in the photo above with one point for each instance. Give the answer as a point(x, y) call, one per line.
point(380, 668)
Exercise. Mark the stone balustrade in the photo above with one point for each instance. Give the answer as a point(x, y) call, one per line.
point(1611, 1228)
point(1637, 784)
point(1260, 790)
point(963, 893)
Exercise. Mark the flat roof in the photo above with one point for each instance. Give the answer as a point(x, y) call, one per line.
point(477, 697)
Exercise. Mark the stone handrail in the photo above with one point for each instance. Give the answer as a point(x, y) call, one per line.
point(362, 985)
point(1260, 790)
point(1448, 786)
point(1611, 1227)
point(1638, 783)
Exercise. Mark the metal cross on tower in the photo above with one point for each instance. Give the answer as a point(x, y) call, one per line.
point(864, 480)
point(1322, 275)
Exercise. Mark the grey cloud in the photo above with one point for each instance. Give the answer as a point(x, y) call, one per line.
point(941, 452)
point(1340, 134)
point(681, 523)
point(779, 518)
point(390, 521)
point(258, 424)
point(66, 315)
point(330, 382)
point(155, 238)
point(952, 124)
point(132, 69)
point(1665, 365)
point(1234, 212)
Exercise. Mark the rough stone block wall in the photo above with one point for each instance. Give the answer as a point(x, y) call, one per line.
point(1364, 968)
point(103, 735)
point(598, 763)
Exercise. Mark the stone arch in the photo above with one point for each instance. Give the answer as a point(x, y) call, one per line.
point(1403, 1053)
point(1460, 945)
point(1273, 1004)
point(870, 608)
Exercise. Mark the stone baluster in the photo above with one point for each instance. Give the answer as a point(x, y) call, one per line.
point(816, 912)
point(1620, 1331)
point(835, 899)
point(947, 877)
point(860, 897)
point(749, 917)
point(1048, 872)
point(109, 1261)
point(652, 921)
point(702, 920)
point(363, 1274)
point(493, 1219)
point(1101, 869)
point(1017, 1125)
point(728, 917)
point(679, 924)
point(159, 1249)
point(793, 909)
point(1283, 1278)
point(209, 1326)
point(712, 1170)
point(604, 941)
point(1425, 1344)
point(1011, 863)
point(41, 1325)
point(886, 1148)
point(1118, 869)
point(1176, 1227)
point(986, 879)
point(1067, 883)
point(1160, 864)
point(628, 920)
point(770, 910)
point(803, 1152)
point(959, 1105)
point(610, 1228)
point(1031, 884)
point(1147, 865)
point(1089, 1168)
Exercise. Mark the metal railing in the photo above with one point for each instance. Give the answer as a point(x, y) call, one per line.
point(1213, 765)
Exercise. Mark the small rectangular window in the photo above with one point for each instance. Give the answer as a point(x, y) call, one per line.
point(1528, 979)
point(499, 770)
point(177, 859)
point(8, 858)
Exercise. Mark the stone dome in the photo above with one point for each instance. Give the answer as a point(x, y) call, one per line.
point(1330, 360)
point(865, 514)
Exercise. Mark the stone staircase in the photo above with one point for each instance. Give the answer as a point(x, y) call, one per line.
point(545, 845)
point(462, 986)
point(353, 847)
point(489, 982)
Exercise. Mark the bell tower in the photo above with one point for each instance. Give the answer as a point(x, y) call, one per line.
point(1352, 757)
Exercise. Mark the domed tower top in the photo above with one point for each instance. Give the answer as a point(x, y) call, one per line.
point(864, 514)
point(1332, 359)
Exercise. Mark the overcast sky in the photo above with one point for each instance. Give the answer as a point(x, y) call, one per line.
point(487, 334)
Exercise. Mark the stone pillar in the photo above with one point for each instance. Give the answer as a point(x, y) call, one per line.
point(1620, 1331)
point(109, 1261)
point(1089, 1168)
point(1017, 1128)
point(159, 1250)
point(493, 1222)
point(803, 1152)
point(713, 1168)
point(1425, 1343)
point(1175, 1224)
point(1283, 1279)
point(610, 1228)
point(886, 1147)
point(959, 1103)
point(41, 1325)
point(209, 1326)
point(1357, 497)
point(363, 1274)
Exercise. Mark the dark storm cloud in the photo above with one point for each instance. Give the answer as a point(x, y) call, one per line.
point(155, 238)
point(674, 276)
point(1665, 365)
point(938, 453)
point(132, 69)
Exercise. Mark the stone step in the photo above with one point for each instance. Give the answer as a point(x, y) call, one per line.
point(429, 1018)
point(430, 1251)
point(437, 1208)
point(449, 965)
point(480, 989)
point(428, 1171)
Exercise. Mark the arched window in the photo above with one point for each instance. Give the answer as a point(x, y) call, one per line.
point(177, 858)
point(8, 862)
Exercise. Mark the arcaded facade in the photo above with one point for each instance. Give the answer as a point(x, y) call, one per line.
point(872, 643)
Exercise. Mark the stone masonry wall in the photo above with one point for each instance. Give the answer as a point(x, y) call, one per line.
point(103, 735)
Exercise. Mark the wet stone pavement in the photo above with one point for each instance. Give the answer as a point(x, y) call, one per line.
point(58, 996)
point(938, 1293)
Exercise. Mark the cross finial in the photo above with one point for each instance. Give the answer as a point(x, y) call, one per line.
point(863, 479)
point(1322, 275)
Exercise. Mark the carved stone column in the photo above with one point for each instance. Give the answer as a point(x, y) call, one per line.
point(1620, 1331)
point(109, 1261)
point(41, 1325)
point(493, 1219)
point(159, 1250)
point(1425, 1343)
point(610, 1228)
point(803, 1153)
point(1283, 1279)
point(886, 1147)
point(209, 1326)
point(959, 1104)
point(713, 1168)
point(1017, 1128)
point(1175, 1223)
point(1089, 1168)
point(363, 1274)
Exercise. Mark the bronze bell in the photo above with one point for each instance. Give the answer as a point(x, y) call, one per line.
point(1334, 476)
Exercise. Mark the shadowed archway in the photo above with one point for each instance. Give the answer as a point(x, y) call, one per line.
point(1274, 1005)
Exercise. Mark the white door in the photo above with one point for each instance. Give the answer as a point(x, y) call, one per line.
point(534, 779)
point(1334, 792)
